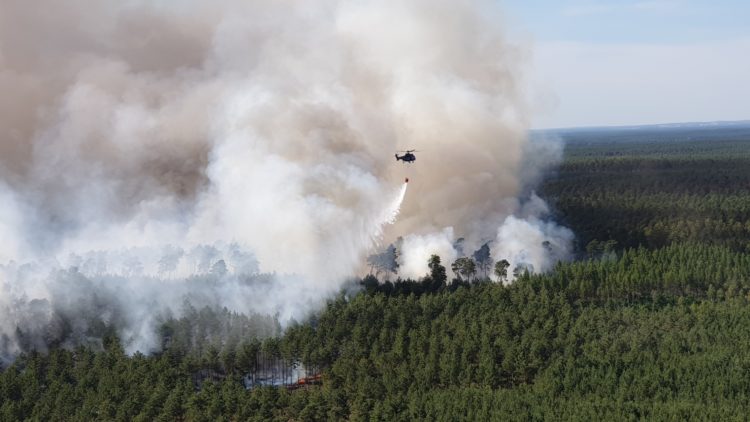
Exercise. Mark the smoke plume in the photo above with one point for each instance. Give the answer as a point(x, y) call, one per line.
point(144, 143)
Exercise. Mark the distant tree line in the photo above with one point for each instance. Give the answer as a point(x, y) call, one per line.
point(649, 322)
point(384, 265)
point(574, 344)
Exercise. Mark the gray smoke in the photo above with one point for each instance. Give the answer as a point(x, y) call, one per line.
point(131, 126)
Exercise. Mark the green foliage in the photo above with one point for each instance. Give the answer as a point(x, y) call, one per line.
point(653, 189)
point(464, 268)
point(486, 352)
point(501, 270)
point(437, 271)
point(651, 323)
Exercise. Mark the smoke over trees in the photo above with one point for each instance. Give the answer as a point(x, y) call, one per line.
point(269, 125)
point(464, 268)
point(385, 262)
point(483, 259)
point(501, 269)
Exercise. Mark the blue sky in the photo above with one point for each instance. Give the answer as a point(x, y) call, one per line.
point(634, 62)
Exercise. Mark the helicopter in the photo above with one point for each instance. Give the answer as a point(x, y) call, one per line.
point(408, 157)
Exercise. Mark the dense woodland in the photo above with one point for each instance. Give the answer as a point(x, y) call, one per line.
point(651, 320)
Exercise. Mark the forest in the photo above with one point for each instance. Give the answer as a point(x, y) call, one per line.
point(648, 321)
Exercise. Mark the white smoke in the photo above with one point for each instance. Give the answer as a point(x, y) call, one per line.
point(417, 249)
point(43, 306)
point(531, 244)
point(11, 215)
point(524, 234)
point(270, 125)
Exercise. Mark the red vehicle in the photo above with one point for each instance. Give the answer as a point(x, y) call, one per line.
point(316, 379)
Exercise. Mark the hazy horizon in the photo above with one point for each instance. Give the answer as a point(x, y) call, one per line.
point(634, 62)
point(721, 123)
